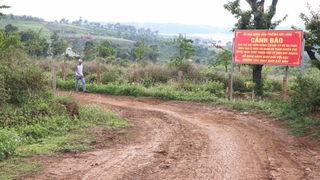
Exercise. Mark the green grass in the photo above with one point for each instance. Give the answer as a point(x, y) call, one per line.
point(95, 115)
point(160, 91)
point(18, 168)
point(74, 141)
point(79, 138)
point(25, 25)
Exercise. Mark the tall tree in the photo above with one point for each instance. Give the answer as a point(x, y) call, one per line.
point(124, 53)
point(184, 46)
point(58, 46)
point(312, 35)
point(27, 34)
point(10, 44)
point(153, 53)
point(223, 58)
point(185, 51)
point(34, 44)
point(89, 54)
point(105, 49)
point(254, 18)
point(139, 49)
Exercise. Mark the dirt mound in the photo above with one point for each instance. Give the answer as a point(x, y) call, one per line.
point(187, 140)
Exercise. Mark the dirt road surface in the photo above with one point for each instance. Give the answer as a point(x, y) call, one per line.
point(187, 140)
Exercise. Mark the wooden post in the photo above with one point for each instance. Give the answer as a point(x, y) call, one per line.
point(63, 72)
point(138, 77)
point(98, 75)
point(284, 87)
point(229, 86)
point(54, 80)
point(181, 80)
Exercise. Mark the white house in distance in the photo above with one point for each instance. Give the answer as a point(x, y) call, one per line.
point(70, 53)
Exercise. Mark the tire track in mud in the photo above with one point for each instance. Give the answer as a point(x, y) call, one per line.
point(187, 140)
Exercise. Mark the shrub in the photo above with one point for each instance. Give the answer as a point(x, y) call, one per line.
point(24, 82)
point(151, 74)
point(9, 141)
point(66, 104)
point(70, 74)
point(67, 85)
point(305, 94)
point(110, 75)
point(35, 131)
point(272, 85)
point(45, 65)
point(216, 76)
point(4, 96)
point(92, 78)
point(239, 83)
point(213, 87)
point(146, 81)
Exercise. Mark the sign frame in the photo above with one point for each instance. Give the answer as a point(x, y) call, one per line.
point(268, 47)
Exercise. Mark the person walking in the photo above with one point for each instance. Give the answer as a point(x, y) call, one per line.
point(80, 76)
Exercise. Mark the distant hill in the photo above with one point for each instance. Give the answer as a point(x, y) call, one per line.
point(171, 28)
point(177, 28)
point(66, 31)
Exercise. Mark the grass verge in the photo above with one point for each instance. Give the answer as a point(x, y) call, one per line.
point(86, 131)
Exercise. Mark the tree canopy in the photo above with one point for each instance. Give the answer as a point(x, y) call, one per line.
point(223, 58)
point(312, 35)
point(139, 49)
point(3, 7)
point(58, 46)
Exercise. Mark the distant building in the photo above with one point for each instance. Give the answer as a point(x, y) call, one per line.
point(70, 53)
point(51, 23)
point(69, 38)
point(88, 37)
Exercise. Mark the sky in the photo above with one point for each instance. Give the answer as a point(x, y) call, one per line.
point(201, 12)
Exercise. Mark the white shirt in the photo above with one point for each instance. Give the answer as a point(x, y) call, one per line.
point(79, 70)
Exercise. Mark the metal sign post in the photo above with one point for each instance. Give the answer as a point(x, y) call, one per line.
point(302, 58)
point(231, 86)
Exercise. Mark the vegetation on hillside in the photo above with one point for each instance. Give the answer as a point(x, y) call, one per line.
point(123, 38)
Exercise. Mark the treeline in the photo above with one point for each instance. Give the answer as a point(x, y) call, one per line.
point(115, 26)
point(181, 28)
point(30, 42)
point(118, 30)
point(23, 17)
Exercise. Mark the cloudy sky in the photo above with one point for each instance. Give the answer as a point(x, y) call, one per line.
point(204, 12)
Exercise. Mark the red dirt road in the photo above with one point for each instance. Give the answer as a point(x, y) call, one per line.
point(187, 140)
